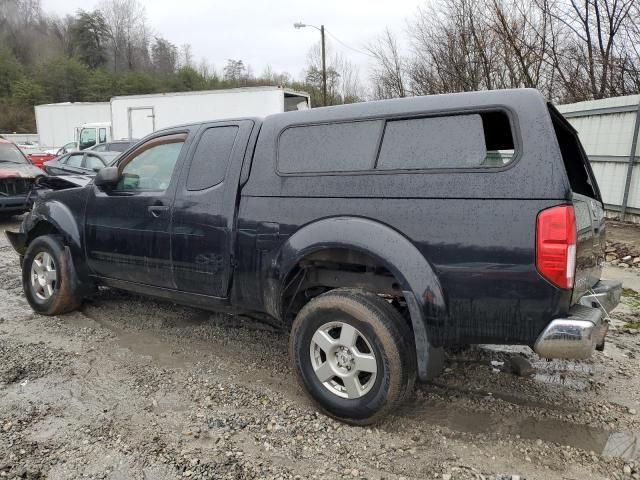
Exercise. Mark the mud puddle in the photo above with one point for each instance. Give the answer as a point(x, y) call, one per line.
point(144, 344)
point(624, 445)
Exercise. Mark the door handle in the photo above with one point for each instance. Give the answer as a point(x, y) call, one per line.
point(157, 210)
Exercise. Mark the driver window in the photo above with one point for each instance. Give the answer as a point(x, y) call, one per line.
point(151, 170)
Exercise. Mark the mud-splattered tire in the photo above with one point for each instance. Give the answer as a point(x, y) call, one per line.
point(354, 355)
point(49, 278)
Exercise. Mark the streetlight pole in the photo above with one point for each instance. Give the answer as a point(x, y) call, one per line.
point(324, 62)
point(324, 70)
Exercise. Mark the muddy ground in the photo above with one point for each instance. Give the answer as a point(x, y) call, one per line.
point(135, 388)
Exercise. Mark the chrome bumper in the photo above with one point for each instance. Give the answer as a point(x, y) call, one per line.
point(583, 330)
point(604, 295)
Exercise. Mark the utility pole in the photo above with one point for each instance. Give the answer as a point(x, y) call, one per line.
point(298, 25)
point(324, 70)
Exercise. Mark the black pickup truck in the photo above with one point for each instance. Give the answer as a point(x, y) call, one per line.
point(378, 233)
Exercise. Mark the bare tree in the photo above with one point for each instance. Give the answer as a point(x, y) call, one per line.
point(453, 48)
point(126, 24)
point(389, 74)
point(597, 38)
point(235, 71)
point(19, 23)
point(569, 50)
point(164, 56)
point(343, 82)
point(186, 52)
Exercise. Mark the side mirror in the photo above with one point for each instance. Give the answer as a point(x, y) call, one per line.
point(107, 177)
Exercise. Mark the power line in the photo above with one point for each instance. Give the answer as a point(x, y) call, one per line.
point(347, 46)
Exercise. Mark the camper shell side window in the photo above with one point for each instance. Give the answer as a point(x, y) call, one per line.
point(461, 141)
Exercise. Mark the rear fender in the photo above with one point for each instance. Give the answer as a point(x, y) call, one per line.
point(421, 286)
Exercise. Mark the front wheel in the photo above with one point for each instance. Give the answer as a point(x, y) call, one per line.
point(48, 277)
point(354, 355)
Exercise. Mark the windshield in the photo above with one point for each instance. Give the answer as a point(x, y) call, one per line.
point(10, 153)
point(87, 138)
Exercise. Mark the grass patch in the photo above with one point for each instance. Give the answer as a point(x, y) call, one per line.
point(632, 325)
point(632, 299)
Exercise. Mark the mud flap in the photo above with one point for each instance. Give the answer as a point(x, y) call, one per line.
point(430, 359)
point(18, 241)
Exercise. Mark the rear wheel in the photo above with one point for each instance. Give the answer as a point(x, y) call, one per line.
point(48, 277)
point(354, 355)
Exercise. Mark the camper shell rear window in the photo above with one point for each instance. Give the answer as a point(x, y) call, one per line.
point(576, 162)
point(476, 140)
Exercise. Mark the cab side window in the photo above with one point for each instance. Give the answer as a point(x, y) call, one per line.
point(152, 168)
point(92, 162)
point(75, 160)
point(211, 159)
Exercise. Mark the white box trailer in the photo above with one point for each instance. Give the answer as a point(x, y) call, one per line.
point(59, 123)
point(135, 116)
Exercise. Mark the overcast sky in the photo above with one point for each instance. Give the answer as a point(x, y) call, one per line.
point(260, 32)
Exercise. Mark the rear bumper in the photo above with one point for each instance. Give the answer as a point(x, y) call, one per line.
point(604, 295)
point(584, 329)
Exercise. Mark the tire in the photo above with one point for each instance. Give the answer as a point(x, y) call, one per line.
point(343, 334)
point(51, 287)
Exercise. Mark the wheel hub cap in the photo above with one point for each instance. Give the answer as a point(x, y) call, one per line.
point(44, 275)
point(343, 360)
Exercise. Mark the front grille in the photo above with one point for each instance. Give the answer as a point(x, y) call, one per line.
point(10, 187)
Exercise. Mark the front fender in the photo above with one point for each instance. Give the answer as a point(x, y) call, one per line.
point(60, 216)
point(418, 279)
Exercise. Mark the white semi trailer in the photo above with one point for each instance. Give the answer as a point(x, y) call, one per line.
point(134, 116)
point(59, 123)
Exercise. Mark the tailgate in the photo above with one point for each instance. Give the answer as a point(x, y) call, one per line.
point(590, 245)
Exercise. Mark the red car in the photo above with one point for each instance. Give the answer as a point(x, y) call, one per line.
point(38, 159)
point(17, 176)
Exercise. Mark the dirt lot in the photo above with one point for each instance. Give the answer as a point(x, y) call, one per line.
point(134, 388)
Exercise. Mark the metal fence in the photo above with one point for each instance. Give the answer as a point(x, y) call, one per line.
point(608, 131)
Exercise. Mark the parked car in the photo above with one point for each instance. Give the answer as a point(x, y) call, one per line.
point(38, 159)
point(17, 176)
point(116, 146)
point(378, 233)
point(79, 163)
point(66, 148)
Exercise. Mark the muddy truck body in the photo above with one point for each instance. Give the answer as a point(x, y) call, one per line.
point(377, 233)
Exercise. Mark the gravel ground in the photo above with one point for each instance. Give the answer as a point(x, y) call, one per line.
point(135, 388)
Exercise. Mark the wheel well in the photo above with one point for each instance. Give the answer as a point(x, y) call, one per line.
point(41, 228)
point(331, 268)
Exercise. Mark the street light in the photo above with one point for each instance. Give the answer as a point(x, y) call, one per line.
point(299, 25)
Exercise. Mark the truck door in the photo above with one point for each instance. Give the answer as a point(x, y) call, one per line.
point(141, 122)
point(127, 227)
point(202, 232)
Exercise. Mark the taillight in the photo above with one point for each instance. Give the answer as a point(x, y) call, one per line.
point(556, 245)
